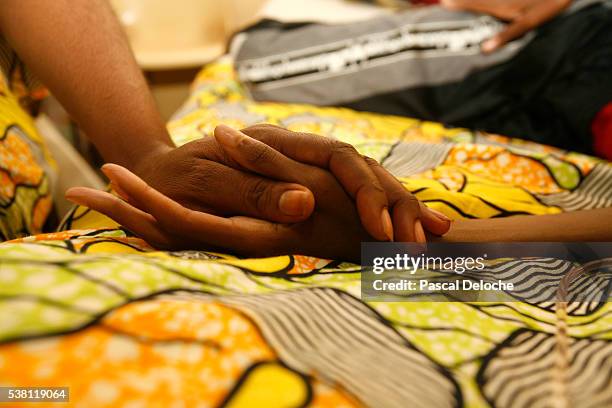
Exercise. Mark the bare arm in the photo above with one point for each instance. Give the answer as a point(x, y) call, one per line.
point(588, 225)
point(78, 49)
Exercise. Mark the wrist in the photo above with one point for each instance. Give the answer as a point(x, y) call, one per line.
point(130, 148)
point(148, 158)
point(468, 231)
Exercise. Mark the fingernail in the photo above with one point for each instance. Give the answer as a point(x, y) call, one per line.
point(293, 202)
point(490, 45)
point(386, 224)
point(75, 197)
point(109, 170)
point(110, 167)
point(439, 214)
point(419, 234)
point(228, 136)
point(106, 169)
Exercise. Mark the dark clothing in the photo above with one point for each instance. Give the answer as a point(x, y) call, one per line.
point(550, 92)
point(547, 86)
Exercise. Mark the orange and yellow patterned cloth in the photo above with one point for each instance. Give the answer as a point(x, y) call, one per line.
point(25, 163)
point(100, 311)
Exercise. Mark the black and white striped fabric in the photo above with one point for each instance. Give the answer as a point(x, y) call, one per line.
point(595, 191)
point(407, 159)
point(328, 332)
point(336, 64)
point(537, 282)
point(521, 373)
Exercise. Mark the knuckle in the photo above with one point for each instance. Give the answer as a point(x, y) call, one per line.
point(325, 143)
point(253, 153)
point(271, 135)
point(258, 195)
point(260, 128)
point(328, 141)
point(376, 187)
point(370, 161)
point(344, 148)
point(411, 203)
point(115, 205)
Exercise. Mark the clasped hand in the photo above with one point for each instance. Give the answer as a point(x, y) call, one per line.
point(230, 193)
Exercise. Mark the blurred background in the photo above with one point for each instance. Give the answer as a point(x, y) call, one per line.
point(173, 39)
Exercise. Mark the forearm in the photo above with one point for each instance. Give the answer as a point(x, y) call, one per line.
point(78, 49)
point(589, 225)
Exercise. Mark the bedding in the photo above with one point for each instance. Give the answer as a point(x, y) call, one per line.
point(96, 309)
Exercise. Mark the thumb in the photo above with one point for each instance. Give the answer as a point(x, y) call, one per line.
point(295, 204)
point(537, 14)
point(512, 31)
